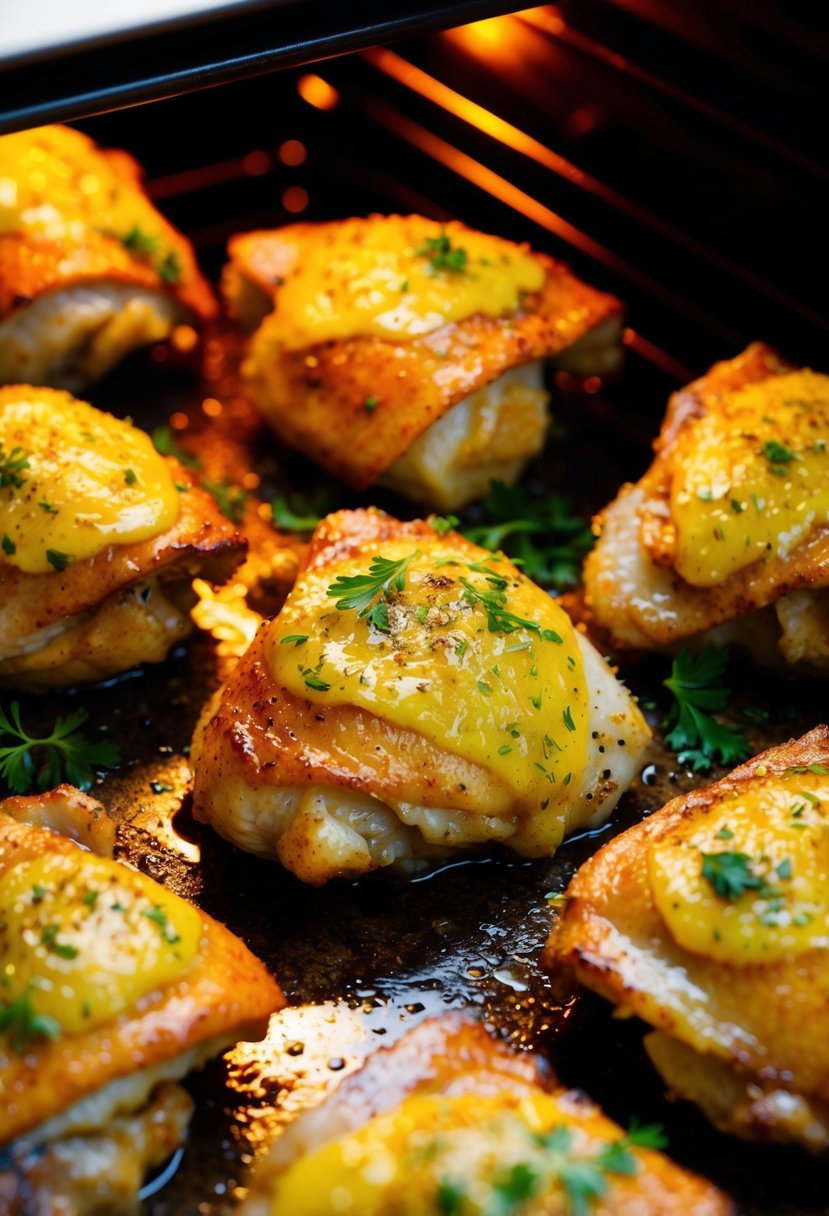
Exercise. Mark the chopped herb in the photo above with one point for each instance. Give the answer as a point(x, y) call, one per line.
point(140, 243)
point(568, 719)
point(450, 1197)
point(59, 561)
point(736, 506)
point(159, 917)
point(730, 874)
point(90, 899)
point(485, 688)
point(48, 508)
point(49, 939)
point(421, 613)
point(504, 749)
point(169, 268)
point(785, 868)
point(544, 536)
point(160, 787)
point(696, 684)
point(38, 892)
point(312, 680)
point(23, 1024)
point(166, 444)
point(777, 453)
point(378, 616)
point(499, 619)
point(724, 833)
point(296, 638)
point(370, 404)
point(443, 523)
point(229, 499)
point(11, 465)
point(8, 544)
point(819, 769)
point(65, 754)
point(130, 477)
point(441, 254)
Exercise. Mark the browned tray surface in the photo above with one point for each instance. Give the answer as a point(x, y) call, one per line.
point(362, 962)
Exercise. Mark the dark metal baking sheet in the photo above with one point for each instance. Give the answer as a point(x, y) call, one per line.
point(362, 962)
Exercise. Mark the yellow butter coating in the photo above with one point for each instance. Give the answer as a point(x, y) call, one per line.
point(54, 182)
point(411, 1160)
point(89, 481)
point(88, 938)
point(751, 477)
point(779, 827)
point(380, 276)
point(515, 703)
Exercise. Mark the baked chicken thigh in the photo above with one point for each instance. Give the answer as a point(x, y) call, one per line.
point(450, 1120)
point(89, 269)
point(100, 539)
point(416, 694)
point(727, 533)
point(113, 989)
point(395, 350)
point(710, 921)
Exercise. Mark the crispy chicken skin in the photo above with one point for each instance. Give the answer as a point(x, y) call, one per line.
point(448, 1109)
point(315, 395)
point(635, 590)
point(181, 988)
point(126, 604)
point(426, 750)
point(730, 970)
point(89, 269)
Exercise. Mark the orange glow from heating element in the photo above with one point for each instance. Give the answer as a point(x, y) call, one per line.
point(495, 39)
point(295, 199)
point(293, 152)
point(317, 92)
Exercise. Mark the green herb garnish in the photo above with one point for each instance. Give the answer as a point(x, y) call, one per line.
point(59, 561)
point(777, 453)
point(358, 591)
point(302, 512)
point(442, 255)
point(43, 762)
point(229, 499)
point(49, 939)
point(23, 1024)
point(159, 917)
point(545, 537)
point(166, 444)
point(696, 684)
point(731, 875)
point(11, 465)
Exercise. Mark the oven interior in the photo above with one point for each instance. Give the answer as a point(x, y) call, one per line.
point(670, 155)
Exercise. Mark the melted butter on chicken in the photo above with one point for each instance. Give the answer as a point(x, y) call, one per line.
point(114, 987)
point(415, 349)
point(89, 269)
point(438, 717)
point(100, 539)
point(711, 922)
point(731, 519)
point(448, 1115)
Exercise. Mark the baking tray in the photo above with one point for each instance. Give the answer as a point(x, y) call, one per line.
point(362, 962)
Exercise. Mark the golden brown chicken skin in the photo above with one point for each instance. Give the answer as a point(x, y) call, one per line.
point(114, 988)
point(710, 922)
point(433, 717)
point(448, 1114)
point(100, 539)
point(89, 269)
point(728, 531)
point(419, 372)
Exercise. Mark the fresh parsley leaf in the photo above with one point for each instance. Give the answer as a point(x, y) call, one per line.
point(544, 536)
point(302, 512)
point(130, 477)
point(140, 243)
point(8, 544)
point(49, 938)
point(730, 874)
point(169, 268)
point(166, 444)
point(20, 1021)
point(696, 683)
point(358, 591)
point(777, 453)
point(59, 561)
point(443, 523)
point(229, 499)
point(43, 762)
point(11, 465)
point(442, 255)
point(450, 1197)
point(159, 917)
